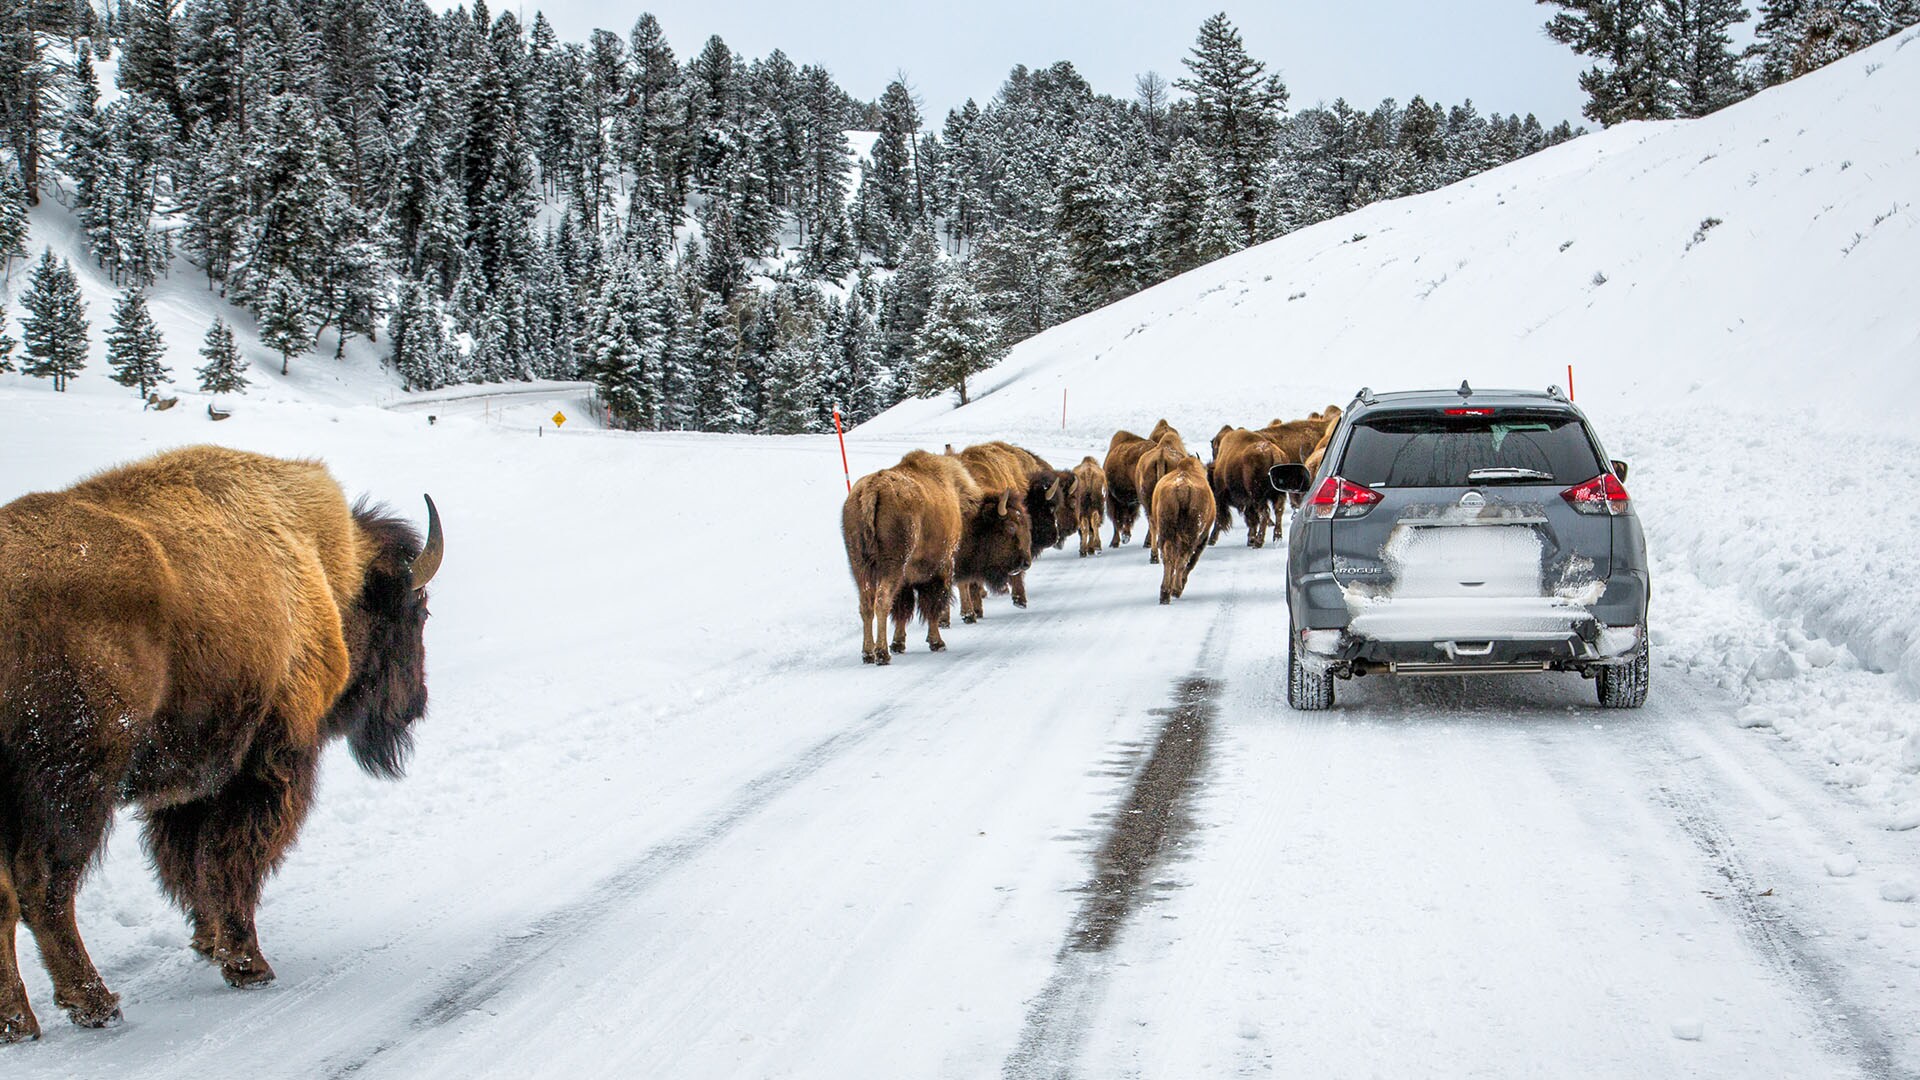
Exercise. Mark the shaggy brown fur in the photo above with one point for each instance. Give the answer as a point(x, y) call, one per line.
point(1240, 481)
point(1088, 489)
point(1182, 515)
point(1123, 499)
point(1166, 453)
point(185, 633)
point(1003, 469)
point(901, 526)
point(1046, 497)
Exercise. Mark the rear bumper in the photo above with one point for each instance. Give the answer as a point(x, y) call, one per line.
point(1415, 638)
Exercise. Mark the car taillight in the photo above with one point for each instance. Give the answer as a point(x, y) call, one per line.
point(1339, 497)
point(1604, 494)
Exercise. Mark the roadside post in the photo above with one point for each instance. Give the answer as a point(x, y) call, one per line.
point(842, 436)
point(1569, 382)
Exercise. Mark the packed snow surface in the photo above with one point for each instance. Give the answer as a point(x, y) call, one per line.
point(662, 822)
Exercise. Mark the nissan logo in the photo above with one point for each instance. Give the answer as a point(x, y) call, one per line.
point(1473, 500)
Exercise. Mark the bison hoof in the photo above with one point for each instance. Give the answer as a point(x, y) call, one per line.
point(99, 1007)
point(1019, 601)
point(937, 646)
point(946, 622)
point(1165, 598)
point(18, 1028)
point(246, 972)
point(866, 658)
point(969, 619)
point(882, 658)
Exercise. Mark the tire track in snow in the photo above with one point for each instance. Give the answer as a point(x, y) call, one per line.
point(1153, 815)
point(1780, 942)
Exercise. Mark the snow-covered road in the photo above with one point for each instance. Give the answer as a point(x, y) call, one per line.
point(1089, 840)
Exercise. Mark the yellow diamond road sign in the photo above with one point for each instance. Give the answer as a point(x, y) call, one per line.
point(559, 418)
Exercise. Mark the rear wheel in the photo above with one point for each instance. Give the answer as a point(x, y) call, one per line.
point(1308, 689)
point(1624, 686)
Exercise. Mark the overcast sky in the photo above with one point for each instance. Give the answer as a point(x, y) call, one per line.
point(1492, 51)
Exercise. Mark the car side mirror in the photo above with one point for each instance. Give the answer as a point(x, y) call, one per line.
point(1620, 470)
point(1290, 478)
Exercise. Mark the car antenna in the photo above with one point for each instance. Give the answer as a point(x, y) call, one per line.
point(1365, 395)
point(1465, 390)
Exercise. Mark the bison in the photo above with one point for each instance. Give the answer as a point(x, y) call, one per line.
point(1006, 474)
point(1086, 491)
point(185, 634)
point(902, 526)
point(1241, 465)
point(1166, 452)
point(1181, 511)
point(1123, 499)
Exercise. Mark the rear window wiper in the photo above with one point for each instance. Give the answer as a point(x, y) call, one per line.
point(1497, 475)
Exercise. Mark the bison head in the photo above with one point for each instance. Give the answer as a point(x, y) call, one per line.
point(1046, 503)
point(386, 640)
point(997, 542)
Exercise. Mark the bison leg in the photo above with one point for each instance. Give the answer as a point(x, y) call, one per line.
point(45, 888)
point(866, 622)
point(1166, 577)
point(246, 830)
point(902, 615)
point(1018, 582)
point(17, 1023)
point(933, 605)
point(58, 819)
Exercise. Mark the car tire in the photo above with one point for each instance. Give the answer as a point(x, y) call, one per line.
point(1624, 686)
point(1307, 690)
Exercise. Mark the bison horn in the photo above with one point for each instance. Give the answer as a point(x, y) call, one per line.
point(427, 563)
point(1054, 491)
point(1003, 504)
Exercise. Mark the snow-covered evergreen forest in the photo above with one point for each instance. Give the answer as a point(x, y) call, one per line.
point(719, 243)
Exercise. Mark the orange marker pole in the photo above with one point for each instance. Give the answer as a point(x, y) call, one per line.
point(1569, 382)
point(1063, 408)
point(844, 469)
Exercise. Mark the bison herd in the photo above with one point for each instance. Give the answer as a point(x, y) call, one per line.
point(975, 519)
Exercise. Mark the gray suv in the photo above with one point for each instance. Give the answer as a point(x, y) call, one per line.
point(1463, 532)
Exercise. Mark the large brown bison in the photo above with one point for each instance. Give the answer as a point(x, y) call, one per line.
point(1123, 499)
point(1086, 491)
point(1046, 497)
point(1004, 474)
point(185, 634)
point(1165, 454)
point(1241, 463)
point(901, 526)
point(1182, 514)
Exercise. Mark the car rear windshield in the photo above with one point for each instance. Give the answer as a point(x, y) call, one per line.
point(1435, 450)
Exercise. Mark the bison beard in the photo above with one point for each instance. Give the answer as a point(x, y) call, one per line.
point(186, 633)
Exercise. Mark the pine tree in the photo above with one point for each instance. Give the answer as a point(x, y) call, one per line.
point(6, 343)
point(1236, 111)
point(1629, 78)
point(892, 177)
point(224, 371)
point(908, 296)
point(13, 223)
point(794, 385)
point(150, 56)
point(721, 400)
point(55, 326)
point(858, 382)
point(285, 326)
point(1703, 70)
point(958, 341)
point(419, 347)
point(135, 350)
